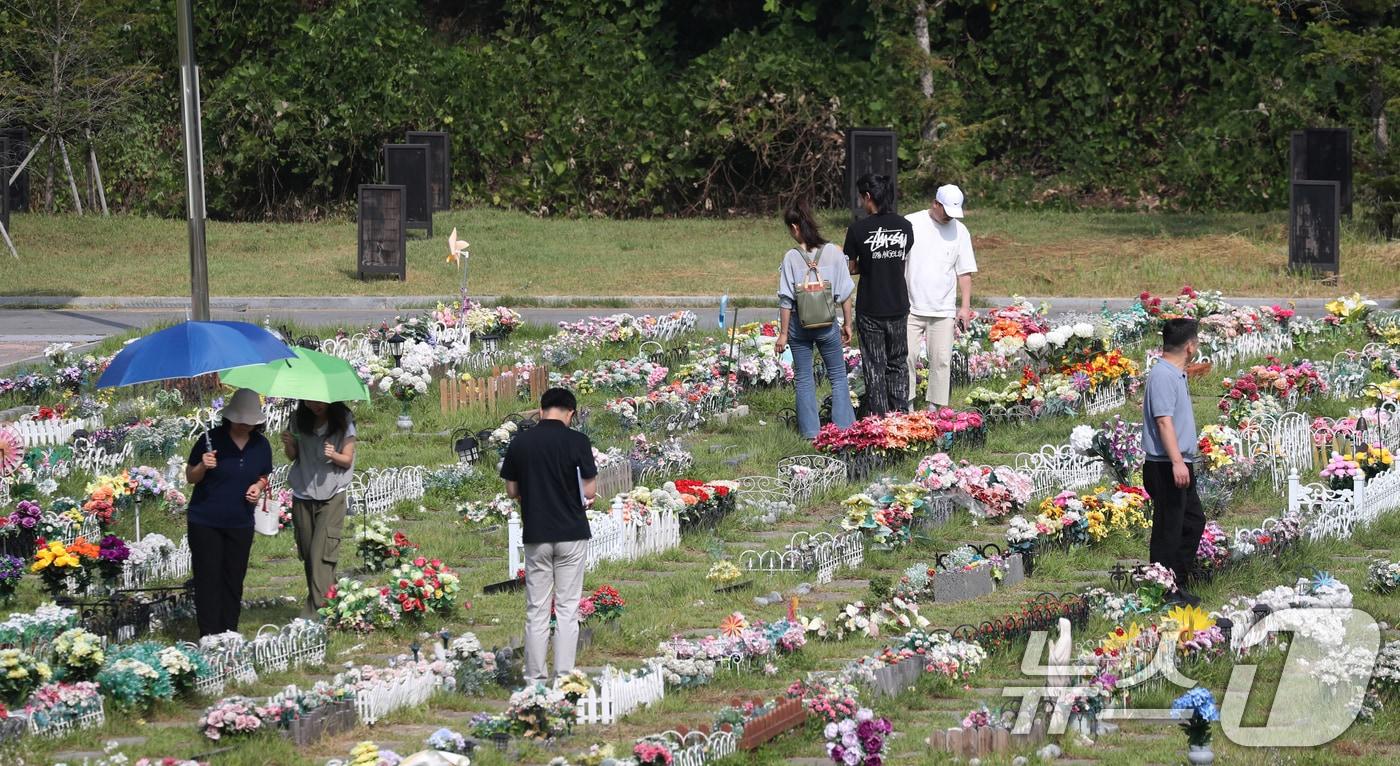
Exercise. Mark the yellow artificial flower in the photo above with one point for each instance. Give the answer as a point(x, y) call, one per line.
point(1189, 620)
point(1120, 638)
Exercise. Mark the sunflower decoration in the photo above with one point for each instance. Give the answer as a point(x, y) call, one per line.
point(11, 451)
point(1185, 622)
point(1120, 638)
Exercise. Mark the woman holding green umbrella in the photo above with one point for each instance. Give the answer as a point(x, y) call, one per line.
point(321, 446)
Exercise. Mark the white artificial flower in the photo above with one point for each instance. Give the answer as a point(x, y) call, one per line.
point(1082, 439)
point(1035, 341)
point(1084, 330)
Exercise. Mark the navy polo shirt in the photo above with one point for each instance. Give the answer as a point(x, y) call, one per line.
point(218, 500)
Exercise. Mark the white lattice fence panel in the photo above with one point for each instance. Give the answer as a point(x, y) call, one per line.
point(55, 728)
point(1059, 467)
point(383, 698)
point(1106, 398)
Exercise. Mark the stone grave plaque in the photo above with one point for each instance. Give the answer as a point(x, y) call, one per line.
point(1323, 154)
point(408, 165)
point(439, 164)
point(19, 146)
point(1314, 226)
point(382, 237)
point(869, 150)
point(949, 587)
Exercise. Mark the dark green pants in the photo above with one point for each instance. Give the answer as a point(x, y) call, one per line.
point(318, 525)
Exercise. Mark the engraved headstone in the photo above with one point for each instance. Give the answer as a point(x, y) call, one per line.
point(440, 164)
point(407, 165)
point(869, 150)
point(1314, 226)
point(1323, 154)
point(382, 247)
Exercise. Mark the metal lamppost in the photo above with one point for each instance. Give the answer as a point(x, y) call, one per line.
point(194, 162)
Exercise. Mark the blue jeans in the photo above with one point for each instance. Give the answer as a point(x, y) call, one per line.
point(804, 343)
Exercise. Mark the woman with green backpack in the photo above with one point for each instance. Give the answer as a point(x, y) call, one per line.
point(812, 282)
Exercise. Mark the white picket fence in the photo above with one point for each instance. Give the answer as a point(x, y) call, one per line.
point(375, 492)
point(51, 433)
point(177, 565)
point(97, 460)
point(820, 552)
point(1329, 513)
point(616, 693)
point(1106, 398)
point(697, 748)
point(612, 539)
point(1059, 467)
point(1228, 351)
point(380, 699)
point(298, 644)
point(60, 727)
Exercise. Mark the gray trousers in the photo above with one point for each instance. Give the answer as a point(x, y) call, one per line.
point(318, 525)
point(553, 575)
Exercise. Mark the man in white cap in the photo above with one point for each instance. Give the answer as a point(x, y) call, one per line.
point(939, 273)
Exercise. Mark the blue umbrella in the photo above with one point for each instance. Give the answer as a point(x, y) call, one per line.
point(191, 349)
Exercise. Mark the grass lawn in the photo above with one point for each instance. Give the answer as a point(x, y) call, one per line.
point(516, 254)
point(667, 595)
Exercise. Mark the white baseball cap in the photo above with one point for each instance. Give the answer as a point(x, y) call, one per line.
point(951, 198)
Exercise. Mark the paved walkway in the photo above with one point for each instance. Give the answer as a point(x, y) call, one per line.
point(28, 324)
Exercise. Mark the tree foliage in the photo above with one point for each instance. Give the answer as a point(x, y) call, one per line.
point(661, 107)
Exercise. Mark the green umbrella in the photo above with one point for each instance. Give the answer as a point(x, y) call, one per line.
point(311, 375)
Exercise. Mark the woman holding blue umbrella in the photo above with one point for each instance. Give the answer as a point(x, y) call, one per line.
point(229, 469)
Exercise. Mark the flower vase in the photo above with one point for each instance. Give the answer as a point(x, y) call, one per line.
point(1200, 754)
point(405, 422)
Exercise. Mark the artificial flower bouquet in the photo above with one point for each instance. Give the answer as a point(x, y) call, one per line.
point(653, 752)
point(65, 568)
point(78, 655)
point(887, 520)
point(1197, 709)
point(20, 675)
point(724, 573)
point(1071, 518)
point(605, 604)
point(497, 510)
point(1214, 552)
point(705, 503)
point(1195, 633)
point(1340, 472)
point(831, 700)
point(424, 586)
point(1373, 460)
point(11, 572)
point(1348, 310)
point(617, 375)
point(230, 717)
point(1222, 454)
point(112, 555)
point(352, 605)
point(1286, 384)
point(1382, 576)
point(381, 547)
point(57, 703)
point(859, 740)
point(540, 712)
point(667, 456)
point(898, 432)
point(1154, 582)
point(573, 685)
point(1116, 443)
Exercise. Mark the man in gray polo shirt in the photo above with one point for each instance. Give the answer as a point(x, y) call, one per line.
point(1169, 439)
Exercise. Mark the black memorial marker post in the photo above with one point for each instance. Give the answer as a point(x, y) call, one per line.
point(382, 239)
point(439, 164)
point(408, 165)
point(1314, 227)
point(1323, 154)
point(870, 150)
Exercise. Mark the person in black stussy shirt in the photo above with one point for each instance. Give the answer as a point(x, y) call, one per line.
point(877, 247)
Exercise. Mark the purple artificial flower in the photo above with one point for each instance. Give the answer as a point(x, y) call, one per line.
point(872, 744)
point(866, 729)
point(113, 548)
point(874, 760)
point(28, 522)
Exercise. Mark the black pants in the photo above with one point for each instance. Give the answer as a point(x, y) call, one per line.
point(884, 362)
point(220, 559)
point(1177, 519)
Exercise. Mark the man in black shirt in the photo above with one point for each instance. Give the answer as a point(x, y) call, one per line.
point(550, 470)
point(877, 247)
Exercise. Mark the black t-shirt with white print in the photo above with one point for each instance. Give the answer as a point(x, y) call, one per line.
point(879, 244)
